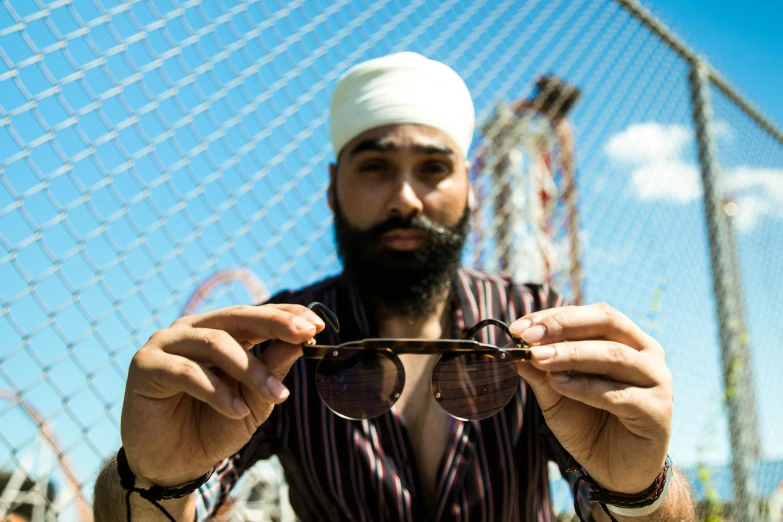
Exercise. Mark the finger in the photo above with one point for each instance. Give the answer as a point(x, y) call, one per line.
point(546, 396)
point(623, 400)
point(180, 374)
point(598, 321)
point(256, 324)
point(218, 348)
point(279, 357)
point(302, 311)
point(526, 321)
point(606, 358)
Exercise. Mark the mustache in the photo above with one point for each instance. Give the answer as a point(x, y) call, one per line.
point(412, 222)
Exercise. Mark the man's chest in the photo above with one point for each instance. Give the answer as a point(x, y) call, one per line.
point(428, 425)
point(413, 463)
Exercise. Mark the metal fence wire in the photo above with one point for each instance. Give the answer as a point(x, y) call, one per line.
point(166, 157)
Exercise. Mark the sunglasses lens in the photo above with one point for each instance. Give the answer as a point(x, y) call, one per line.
point(474, 386)
point(360, 384)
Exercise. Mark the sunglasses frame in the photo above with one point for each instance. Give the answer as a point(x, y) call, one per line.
point(519, 352)
point(392, 347)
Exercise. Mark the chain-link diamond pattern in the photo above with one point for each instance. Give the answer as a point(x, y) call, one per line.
point(171, 156)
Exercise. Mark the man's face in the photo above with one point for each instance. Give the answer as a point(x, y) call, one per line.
point(400, 196)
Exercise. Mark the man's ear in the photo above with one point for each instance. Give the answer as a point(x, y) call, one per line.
point(332, 185)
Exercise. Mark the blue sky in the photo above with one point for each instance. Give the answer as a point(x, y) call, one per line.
point(742, 40)
point(215, 158)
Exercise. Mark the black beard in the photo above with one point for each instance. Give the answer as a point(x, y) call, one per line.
point(401, 283)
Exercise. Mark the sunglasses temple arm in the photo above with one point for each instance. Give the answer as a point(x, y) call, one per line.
point(327, 315)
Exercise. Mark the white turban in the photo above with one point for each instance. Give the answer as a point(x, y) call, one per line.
point(401, 88)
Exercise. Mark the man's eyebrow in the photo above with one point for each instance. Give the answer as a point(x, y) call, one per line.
point(433, 148)
point(376, 145)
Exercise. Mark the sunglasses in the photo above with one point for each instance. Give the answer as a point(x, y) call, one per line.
point(363, 379)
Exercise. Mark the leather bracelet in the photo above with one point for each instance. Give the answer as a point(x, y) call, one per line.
point(128, 482)
point(640, 511)
point(156, 493)
point(635, 505)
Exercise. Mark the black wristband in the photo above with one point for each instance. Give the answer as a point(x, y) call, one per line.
point(128, 482)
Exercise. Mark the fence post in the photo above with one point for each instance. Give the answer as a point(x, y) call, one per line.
point(733, 334)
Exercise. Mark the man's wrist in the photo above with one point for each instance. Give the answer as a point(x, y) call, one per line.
point(111, 500)
point(154, 492)
point(143, 482)
point(650, 508)
point(678, 505)
point(641, 504)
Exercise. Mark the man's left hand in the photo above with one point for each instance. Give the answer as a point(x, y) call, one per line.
point(605, 391)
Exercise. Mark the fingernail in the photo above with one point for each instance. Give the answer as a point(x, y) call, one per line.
point(315, 319)
point(534, 334)
point(276, 388)
point(240, 407)
point(560, 378)
point(520, 326)
point(302, 324)
point(544, 352)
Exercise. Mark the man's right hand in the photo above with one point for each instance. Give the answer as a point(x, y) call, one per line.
point(195, 394)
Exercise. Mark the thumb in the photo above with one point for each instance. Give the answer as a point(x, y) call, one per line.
point(279, 356)
point(539, 383)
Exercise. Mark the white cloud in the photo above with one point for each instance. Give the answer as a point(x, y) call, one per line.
point(758, 193)
point(750, 210)
point(670, 181)
point(645, 143)
point(651, 142)
point(659, 172)
point(745, 178)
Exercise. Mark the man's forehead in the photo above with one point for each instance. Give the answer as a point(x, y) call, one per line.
point(405, 136)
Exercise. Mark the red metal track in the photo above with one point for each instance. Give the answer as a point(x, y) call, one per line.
point(83, 508)
point(252, 283)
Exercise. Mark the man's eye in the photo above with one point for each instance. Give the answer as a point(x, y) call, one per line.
point(436, 168)
point(373, 166)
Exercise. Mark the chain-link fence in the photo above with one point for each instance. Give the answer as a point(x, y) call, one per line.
point(147, 148)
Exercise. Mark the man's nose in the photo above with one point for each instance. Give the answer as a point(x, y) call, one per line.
point(405, 201)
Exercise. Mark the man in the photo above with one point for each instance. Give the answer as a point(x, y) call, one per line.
point(199, 397)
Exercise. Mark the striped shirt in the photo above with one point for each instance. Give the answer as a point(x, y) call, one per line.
point(337, 469)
